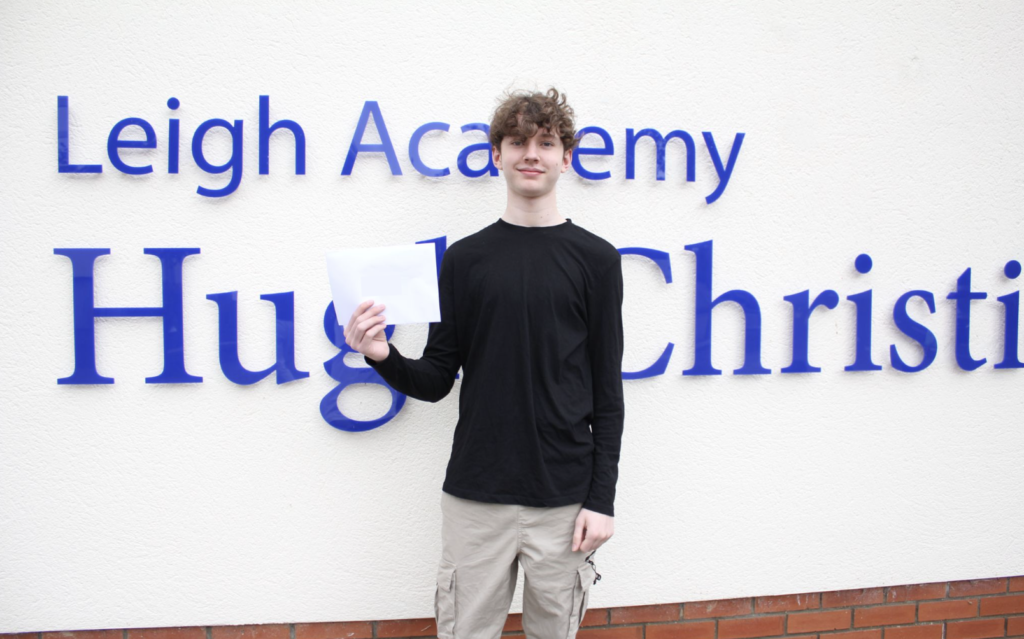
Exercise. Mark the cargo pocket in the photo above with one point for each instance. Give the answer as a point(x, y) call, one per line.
point(585, 578)
point(444, 601)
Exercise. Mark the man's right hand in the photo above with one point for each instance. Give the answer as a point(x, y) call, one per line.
point(365, 331)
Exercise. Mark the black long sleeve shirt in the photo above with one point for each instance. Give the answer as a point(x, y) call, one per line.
point(533, 315)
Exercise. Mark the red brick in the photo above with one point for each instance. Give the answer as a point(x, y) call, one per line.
point(920, 631)
point(1015, 626)
point(717, 608)
point(812, 621)
point(406, 628)
point(596, 617)
point(977, 587)
point(975, 629)
point(785, 603)
point(884, 615)
point(685, 630)
point(641, 614)
point(959, 609)
point(1006, 605)
point(915, 592)
point(1016, 584)
point(853, 634)
point(513, 623)
point(334, 630)
point(769, 626)
point(263, 631)
point(35, 635)
point(859, 597)
point(73, 634)
point(185, 632)
point(628, 632)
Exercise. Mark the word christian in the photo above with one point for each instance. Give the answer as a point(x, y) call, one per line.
point(370, 110)
point(171, 312)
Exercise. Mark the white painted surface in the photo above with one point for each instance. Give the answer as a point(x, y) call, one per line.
point(893, 130)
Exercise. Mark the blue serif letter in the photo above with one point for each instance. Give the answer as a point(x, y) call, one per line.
point(702, 326)
point(86, 312)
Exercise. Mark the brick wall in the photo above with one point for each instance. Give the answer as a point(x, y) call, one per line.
point(977, 609)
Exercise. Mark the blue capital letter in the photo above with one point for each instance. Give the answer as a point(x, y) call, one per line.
point(64, 146)
point(663, 261)
point(86, 312)
point(358, 146)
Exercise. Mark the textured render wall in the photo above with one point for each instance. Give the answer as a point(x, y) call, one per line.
point(890, 130)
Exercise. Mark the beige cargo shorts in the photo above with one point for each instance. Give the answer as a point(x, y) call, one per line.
point(483, 546)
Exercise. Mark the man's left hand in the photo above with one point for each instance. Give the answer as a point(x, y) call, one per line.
point(592, 530)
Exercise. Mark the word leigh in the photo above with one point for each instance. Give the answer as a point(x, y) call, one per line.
point(357, 146)
point(171, 259)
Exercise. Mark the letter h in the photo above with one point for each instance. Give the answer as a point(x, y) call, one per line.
point(702, 329)
point(86, 312)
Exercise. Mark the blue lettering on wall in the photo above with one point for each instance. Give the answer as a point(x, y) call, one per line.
point(234, 163)
point(607, 149)
point(704, 304)
point(862, 360)
point(724, 172)
point(963, 296)
point(801, 326)
point(227, 330)
point(1011, 303)
point(114, 142)
point(484, 147)
point(914, 330)
point(371, 109)
point(85, 312)
point(64, 145)
point(664, 263)
point(414, 149)
point(267, 129)
point(659, 150)
point(173, 136)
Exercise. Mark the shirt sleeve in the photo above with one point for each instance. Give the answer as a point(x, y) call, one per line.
point(604, 345)
point(431, 377)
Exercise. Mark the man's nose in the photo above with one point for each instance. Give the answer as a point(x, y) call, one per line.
point(532, 151)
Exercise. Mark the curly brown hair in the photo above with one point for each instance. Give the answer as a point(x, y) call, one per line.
point(524, 112)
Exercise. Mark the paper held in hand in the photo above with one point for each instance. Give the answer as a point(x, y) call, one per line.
point(403, 278)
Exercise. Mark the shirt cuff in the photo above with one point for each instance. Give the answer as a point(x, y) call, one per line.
point(386, 364)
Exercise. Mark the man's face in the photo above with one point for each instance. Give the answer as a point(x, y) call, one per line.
point(532, 165)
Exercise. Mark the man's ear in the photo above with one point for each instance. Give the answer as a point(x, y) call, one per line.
point(566, 160)
point(496, 157)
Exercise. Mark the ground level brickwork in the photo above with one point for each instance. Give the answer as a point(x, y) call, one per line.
point(977, 609)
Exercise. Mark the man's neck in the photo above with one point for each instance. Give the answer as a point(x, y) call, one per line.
point(541, 211)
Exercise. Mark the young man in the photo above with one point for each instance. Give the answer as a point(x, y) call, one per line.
point(531, 310)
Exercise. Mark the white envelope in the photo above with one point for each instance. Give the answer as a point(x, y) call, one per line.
point(403, 278)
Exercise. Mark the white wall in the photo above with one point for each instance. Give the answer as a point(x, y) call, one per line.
point(889, 129)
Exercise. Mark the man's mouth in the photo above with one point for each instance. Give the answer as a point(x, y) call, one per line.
point(531, 171)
